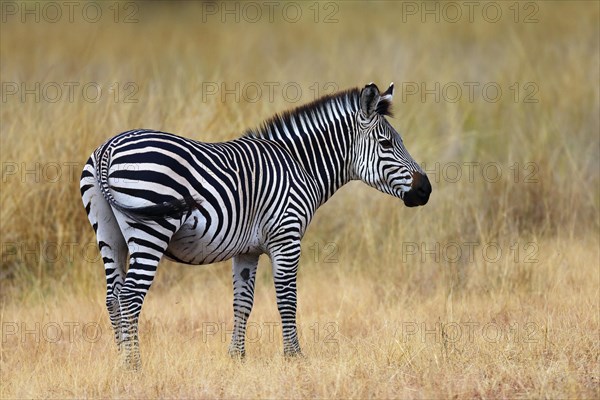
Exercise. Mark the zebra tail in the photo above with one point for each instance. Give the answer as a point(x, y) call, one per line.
point(176, 208)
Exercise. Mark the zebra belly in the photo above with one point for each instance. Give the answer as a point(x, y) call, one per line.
point(198, 243)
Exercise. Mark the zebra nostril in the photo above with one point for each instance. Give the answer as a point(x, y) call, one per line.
point(421, 185)
point(425, 187)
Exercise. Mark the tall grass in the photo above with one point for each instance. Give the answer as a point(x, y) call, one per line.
point(369, 265)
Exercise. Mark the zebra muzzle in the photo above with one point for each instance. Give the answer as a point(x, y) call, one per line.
point(419, 192)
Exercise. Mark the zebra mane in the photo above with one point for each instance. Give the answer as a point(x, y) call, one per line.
point(348, 98)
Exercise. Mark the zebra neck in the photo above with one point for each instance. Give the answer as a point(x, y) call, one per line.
point(319, 137)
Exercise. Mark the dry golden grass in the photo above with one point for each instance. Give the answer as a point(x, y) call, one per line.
point(387, 308)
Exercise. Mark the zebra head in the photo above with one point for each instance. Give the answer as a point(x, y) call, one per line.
point(380, 159)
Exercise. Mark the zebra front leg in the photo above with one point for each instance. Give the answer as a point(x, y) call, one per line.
point(284, 261)
point(244, 273)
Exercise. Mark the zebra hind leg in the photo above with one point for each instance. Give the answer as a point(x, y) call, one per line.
point(114, 256)
point(244, 273)
point(111, 244)
point(147, 243)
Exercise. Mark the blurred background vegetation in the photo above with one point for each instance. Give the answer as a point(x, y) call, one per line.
point(513, 166)
point(499, 101)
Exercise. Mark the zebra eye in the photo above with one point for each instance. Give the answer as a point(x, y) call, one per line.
point(386, 144)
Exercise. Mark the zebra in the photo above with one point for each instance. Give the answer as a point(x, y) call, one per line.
point(150, 194)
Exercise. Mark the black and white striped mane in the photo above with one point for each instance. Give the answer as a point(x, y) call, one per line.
point(348, 99)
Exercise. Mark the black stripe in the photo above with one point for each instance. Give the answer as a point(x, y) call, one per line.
point(84, 189)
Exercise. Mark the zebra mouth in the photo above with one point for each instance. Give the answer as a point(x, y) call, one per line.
point(415, 201)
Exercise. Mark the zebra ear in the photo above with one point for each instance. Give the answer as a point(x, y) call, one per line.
point(384, 106)
point(369, 97)
point(389, 93)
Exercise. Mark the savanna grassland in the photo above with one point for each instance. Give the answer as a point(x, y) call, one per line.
point(491, 290)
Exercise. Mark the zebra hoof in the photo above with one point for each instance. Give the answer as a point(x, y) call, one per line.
point(237, 355)
point(294, 355)
point(131, 367)
point(131, 364)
